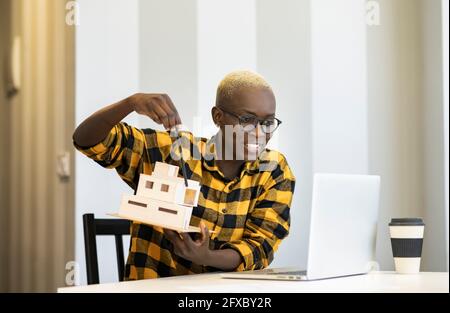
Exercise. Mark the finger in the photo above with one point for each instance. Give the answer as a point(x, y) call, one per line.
point(205, 234)
point(169, 234)
point(172, 235)
point(187, 240)
point(170, 104)
point(179, 122)
point(173, 110)
point(154, 117)
point(172, 121)
point(162, 115)
point(178, 243)
point(171, 113)
point(148, 111)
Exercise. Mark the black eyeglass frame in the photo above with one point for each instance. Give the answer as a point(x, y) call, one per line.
point(245, 125)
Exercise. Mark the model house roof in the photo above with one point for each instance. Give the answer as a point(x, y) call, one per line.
point(168, 173)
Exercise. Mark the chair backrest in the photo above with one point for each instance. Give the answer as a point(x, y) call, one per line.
point(103, 227)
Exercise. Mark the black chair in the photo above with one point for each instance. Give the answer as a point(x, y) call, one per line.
point(103, 227)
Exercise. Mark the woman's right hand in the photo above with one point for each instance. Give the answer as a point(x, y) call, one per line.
point(159, 107)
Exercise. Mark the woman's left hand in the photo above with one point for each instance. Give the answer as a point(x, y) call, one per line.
point(196, 251)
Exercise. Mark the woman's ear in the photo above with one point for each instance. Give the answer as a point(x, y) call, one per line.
point(217, 116)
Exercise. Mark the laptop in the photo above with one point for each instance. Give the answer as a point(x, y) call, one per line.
point(343, 229)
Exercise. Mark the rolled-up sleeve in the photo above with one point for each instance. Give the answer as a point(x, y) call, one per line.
point(122, 149)
point(267, 225)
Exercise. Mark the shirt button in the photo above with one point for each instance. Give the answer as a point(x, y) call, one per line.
point(224, 211)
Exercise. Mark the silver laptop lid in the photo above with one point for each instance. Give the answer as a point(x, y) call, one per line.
point(343, 225)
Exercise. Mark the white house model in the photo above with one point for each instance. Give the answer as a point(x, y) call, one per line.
point(162, 199)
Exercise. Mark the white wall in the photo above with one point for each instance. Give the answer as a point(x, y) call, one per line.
point(326, 110)
point(285, 62)
point(434, 250)
point(226, 41)
point(106, 71)
point(339, 86)
point(395, 127)
point(405, 122)
point(168, 54)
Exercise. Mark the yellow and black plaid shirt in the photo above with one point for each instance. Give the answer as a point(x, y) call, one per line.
point(249, 214)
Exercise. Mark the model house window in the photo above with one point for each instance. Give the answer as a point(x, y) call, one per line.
point(164, 188)
point(149, 184)
point(168, 211)
point(189, 196)
point(137, 203)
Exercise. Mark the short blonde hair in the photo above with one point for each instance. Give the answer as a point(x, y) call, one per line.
point(237, 80)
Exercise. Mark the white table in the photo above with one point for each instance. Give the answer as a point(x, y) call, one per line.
point(213, 283)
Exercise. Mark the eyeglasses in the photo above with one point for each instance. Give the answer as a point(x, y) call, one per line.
point(249, 122)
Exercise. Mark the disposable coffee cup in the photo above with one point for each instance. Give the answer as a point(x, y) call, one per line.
point(407, 240)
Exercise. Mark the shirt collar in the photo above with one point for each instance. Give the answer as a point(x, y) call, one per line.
point(209, 160)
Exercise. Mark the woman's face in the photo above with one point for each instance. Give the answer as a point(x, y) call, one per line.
point(248, 104)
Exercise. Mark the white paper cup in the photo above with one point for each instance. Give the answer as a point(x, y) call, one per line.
point(407, 240)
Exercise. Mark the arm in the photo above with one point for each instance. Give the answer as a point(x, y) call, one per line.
point(112, 144)
point(267, 224)
point(226, 260)
point(96, 127)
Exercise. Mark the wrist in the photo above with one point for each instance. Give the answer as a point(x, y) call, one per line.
point(129, 104)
